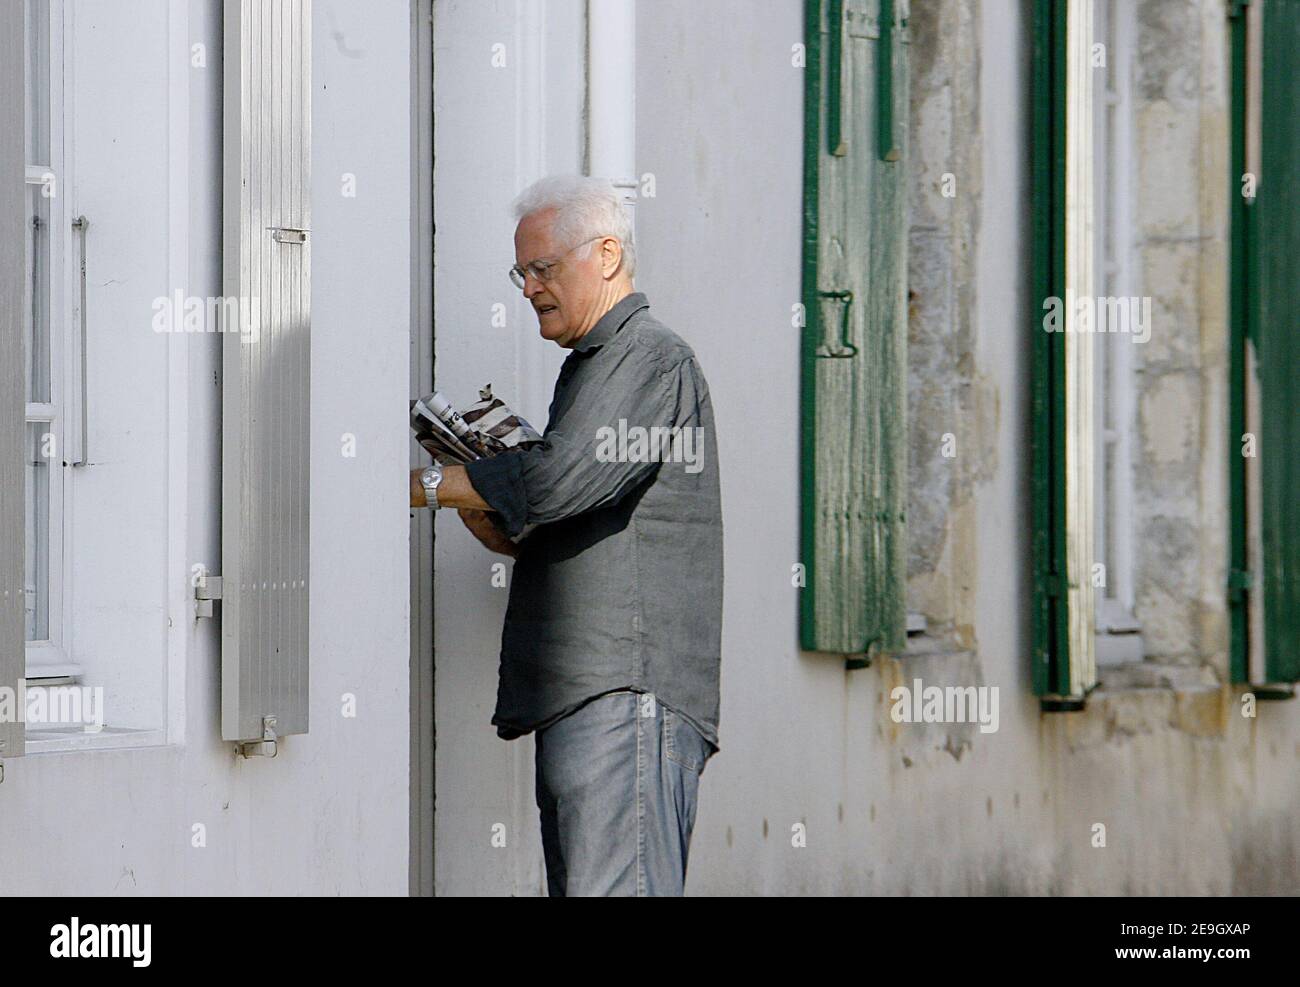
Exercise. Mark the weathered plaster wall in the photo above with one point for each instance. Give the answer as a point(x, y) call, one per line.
point(1180, 513)
point(952, 410)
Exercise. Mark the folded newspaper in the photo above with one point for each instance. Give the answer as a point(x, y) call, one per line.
point(487, 428)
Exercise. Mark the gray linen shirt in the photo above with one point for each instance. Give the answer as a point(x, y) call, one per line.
point(620, 585)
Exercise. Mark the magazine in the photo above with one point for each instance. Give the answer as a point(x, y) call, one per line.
point(487, 428)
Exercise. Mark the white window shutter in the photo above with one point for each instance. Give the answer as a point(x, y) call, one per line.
point(266, 388)
point(13, 266)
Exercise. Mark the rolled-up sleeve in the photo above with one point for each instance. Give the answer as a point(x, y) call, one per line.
point(579, 466)
point(499, 481)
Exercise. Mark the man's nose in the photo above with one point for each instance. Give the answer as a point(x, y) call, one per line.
point(532, 285)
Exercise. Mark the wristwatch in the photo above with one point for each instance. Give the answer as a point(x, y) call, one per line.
point(429, 479)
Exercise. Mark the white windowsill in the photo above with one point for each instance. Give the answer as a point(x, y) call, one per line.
point(55, 739)
point(72, 735)
point(1149, 675)
point(1119, 649)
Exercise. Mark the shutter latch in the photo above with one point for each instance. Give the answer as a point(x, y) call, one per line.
point(285, 234)
point(207, 590)
point(266, 747)
point(845, 298)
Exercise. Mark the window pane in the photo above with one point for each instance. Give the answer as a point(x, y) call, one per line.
point(38, 447)
point(38, 82)
point(36, 327)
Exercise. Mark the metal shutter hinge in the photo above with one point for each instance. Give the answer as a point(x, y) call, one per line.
point(207, 590)
point(266, 747)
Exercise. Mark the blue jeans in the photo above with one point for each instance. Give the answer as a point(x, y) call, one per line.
point(616, 785)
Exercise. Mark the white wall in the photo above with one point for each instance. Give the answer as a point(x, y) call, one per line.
point(329, 814)
point(719, 125)
point(120, 178)
point(713, 197)
point(497, 127)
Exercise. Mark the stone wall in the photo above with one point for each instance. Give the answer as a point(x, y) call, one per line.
point(952, 410)
point(1181, 210)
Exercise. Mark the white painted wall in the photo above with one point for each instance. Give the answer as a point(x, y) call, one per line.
point(720, 124)
point(508, 96)
point(329, 814)
point(699, 143)
point(120, 181)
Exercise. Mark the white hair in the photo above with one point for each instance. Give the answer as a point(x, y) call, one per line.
point(585, 208)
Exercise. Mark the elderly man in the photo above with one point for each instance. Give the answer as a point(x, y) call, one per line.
point(612, 638)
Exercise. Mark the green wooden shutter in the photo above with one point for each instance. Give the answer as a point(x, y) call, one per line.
point(1278, 211)
point(1265, 307)
point(1047, 353)
point(1064, 668)
point(1238, 306)
point(854, 344)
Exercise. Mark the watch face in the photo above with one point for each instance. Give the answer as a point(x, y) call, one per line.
point(431, 477)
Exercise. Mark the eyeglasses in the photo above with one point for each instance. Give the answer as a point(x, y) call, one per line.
point(545, 269)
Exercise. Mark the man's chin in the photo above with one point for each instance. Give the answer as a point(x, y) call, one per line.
point(554, 331)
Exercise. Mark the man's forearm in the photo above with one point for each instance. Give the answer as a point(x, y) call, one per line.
point(455, 490)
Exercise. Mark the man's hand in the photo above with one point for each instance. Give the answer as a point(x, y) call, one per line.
point(482, 528)
point(417, 490)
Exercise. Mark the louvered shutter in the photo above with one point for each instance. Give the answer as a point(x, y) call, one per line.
point(1064, 665)
point(13, 265)
point(1277, 215)
point(853, 354)
point(266, 388)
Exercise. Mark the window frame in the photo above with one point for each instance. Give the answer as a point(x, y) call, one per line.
point(49, 658)
point(1117, 274)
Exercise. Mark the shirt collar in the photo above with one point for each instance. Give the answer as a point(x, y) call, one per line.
point(611, 322)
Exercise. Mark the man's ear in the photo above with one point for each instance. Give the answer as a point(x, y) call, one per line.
point(611, 257)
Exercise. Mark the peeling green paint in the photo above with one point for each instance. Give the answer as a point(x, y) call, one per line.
point(853, 353)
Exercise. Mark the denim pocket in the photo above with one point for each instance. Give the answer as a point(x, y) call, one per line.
point(682, 742)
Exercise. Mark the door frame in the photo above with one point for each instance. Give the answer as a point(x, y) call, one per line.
point(423, 736)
